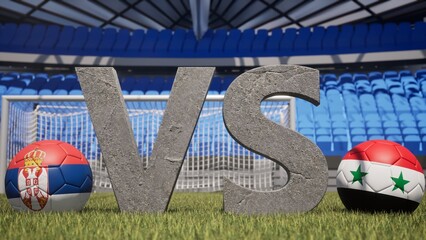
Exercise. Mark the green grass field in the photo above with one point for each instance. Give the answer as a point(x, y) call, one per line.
point(200, 216)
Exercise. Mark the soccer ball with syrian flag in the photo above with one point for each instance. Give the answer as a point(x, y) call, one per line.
point(380, 175)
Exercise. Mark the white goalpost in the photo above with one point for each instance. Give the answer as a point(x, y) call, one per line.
point(212, 153)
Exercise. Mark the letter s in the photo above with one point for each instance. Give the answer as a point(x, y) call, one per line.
point(303, 160)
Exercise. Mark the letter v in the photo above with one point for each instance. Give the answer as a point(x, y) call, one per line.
point(136, 189)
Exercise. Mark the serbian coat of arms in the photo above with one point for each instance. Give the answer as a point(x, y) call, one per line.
point(33, 181)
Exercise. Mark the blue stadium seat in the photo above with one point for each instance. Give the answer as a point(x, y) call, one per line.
point(93, 40)
point(331, 77)
point(128, 85)
point(155, 86)
point(406, 116)
point(344, 38)
point(407, 78)
point(384, 103)
point(358, 131)
point(162, 46)
point(51, 85)
point(26, 77)
point(400, 103)
point(345, 78)
point(36, 36)
point(226, 81)
point(410, 131)
point(372, 41)
point(373, 123)
point(108, 39)
point(167, 87)
point(246, 42)
point(356, 122)
point(259, 43)
point(418, 104)
point(323, 131)
point(358, 40)
point(348, 89)
point(148, 45)
point(324, 142)
point(390, 74)
point(390, 124)
point(329, 43)
point(422, 83)
point(189, 44)
point(340, 131)
point(367, 103)
point(315, 41)
point(373, 131)
point(421, 73)
point(391, 116)
point(301, 41)
point(50, 38)
point(122, 41)
point(360, 77)
point(177, 41)
point(418, 36)
point(412, 90)
point(340, 145)
point(287, 41)
point(413, 143)
point(203, 47)
point(80, 38)
point(135, 42)
point(363, 87)
point(20, 38)
point(394, 86)
point(322, 122)
point(392, 131)
point(376, 137)
point(307, 131)
point(231, 43)
point(379, 86)
point(35, 86)
point(423, 134)
point(388, 37)
point(405, 73)
point(273, 42)
point(218, 41)
point(7, 33)
point(358, 140)
point(408, 123)
point(63, 88)
point(403, 36)
point(375, 75)
point(65, 38)
point(334, 98)
point(395, 138)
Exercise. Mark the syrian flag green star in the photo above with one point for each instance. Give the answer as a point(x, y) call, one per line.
point(399, 182)
point(358, 175)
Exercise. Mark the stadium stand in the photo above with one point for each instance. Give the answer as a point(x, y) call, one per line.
point(83, 40)
point(354, 106)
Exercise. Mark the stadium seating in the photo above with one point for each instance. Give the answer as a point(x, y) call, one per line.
point(354, 106)
point(360, 38)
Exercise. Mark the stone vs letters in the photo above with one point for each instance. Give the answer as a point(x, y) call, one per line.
point(149, 190)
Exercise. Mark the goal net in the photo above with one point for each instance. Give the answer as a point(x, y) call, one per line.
point(212, 153)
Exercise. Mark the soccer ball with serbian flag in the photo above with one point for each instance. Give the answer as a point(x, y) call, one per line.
point(380, 175)
point(48, 175)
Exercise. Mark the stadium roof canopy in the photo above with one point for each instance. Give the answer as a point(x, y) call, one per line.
point(242, 14)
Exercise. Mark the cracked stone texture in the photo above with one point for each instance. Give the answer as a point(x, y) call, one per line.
point(136, 189)
point(303, 160)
